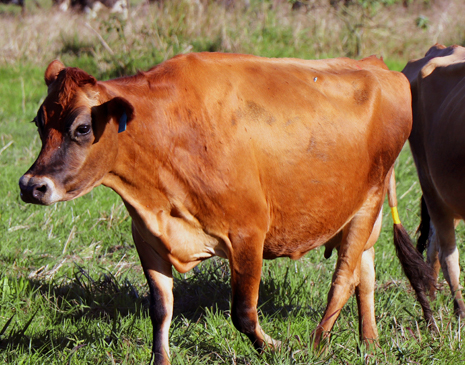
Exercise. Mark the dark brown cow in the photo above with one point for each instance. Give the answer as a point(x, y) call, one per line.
point(15, 2)
point(91, 7)
point(437, 142)
point(236, 156)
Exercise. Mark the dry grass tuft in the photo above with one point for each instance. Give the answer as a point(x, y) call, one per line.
point(268, 28)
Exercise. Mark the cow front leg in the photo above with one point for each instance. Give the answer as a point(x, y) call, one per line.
point(159, 277)
point(246, 268)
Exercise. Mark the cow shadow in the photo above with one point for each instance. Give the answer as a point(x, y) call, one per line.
point(205, 290)
point(208, 289)
point(105, 298)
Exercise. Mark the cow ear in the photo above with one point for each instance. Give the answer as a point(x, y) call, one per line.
point(52, 71)
point(117, 110)
point(121, 111)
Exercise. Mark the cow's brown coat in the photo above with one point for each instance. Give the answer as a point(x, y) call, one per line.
point(236, 156)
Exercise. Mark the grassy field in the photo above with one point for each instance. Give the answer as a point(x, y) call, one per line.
point(71, 287)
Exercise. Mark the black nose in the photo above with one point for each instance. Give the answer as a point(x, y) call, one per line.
point(32, 190)
point(38, 191)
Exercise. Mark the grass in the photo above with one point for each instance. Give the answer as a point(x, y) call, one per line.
point(71, 287)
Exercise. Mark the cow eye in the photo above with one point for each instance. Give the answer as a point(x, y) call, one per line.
point(82, 130)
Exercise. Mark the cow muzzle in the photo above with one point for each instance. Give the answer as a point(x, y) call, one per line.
point(38, 190)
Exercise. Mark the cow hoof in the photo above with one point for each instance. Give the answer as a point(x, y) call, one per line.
point(271, 343)
point(432, 327)
point(460, 313)
point(370, 345)
point(320, 341)
point(459, 308)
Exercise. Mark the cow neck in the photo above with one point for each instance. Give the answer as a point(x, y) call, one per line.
point(157, 201)
point(135, 164)
point(134, 175)
point(157, 196)
point(132, 179)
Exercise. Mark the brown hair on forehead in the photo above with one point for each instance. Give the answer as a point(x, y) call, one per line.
point(68, 80)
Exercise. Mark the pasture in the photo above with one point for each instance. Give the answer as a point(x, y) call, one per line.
point(71, 287)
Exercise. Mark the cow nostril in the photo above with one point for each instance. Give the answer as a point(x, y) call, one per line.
point(39, 191)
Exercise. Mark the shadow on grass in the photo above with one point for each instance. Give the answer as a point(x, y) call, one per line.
point(72, 303)
point(209, 288)
point(83, 299)
point(84, 296)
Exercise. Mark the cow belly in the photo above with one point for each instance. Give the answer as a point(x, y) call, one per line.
point(447, 186)
point(291, 247)
point(301, 235)
point(309, 212)
point(444, 156)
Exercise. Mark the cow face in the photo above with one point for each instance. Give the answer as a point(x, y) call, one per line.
point(78, 127)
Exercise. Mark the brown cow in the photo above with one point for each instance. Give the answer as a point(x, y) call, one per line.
point(437, 140)
point(236, 156)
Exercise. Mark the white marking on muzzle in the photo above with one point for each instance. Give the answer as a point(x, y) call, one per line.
point(55, 195)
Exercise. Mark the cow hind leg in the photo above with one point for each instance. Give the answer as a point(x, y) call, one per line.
point(365, 294)
point(352, 261)
point(365, 291)
point(444, 239)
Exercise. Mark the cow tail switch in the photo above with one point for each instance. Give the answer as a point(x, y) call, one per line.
point(418, 272)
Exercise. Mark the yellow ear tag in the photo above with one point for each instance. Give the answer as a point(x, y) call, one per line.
point(395, 215)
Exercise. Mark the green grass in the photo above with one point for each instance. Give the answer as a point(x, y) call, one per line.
point(71, 287)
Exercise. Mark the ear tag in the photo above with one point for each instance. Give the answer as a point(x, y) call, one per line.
point(123, 121)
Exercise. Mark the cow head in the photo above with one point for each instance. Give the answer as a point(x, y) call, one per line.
point(78, 126)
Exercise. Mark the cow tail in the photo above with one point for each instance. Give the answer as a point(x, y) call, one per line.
point(424, 228)
point(418, 272)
